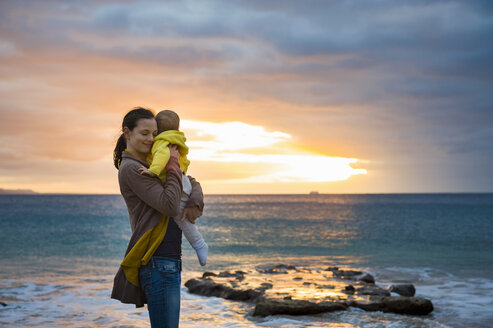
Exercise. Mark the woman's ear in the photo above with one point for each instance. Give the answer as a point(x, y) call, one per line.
point(126, 132)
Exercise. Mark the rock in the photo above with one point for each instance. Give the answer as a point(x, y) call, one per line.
point(265, 307)
point(208, 287)
point(372, 290)
point(408, 305)
point(396, 304)
point(349, 289)
point(208, 274)
point(367, 306)
point(264, 286)
point(294, 285)
point(277, 269)
point(403, 289)
point(344, 274)
point(3, 304)
point(240, 275)
point(368, 278)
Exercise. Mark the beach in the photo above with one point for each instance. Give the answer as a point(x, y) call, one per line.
point(60, 253)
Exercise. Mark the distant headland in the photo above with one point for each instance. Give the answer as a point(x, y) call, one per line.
point(17, 192)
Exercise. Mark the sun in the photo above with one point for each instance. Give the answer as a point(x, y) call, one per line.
point(238, 143)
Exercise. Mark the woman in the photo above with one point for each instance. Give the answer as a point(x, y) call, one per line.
point(151, 270)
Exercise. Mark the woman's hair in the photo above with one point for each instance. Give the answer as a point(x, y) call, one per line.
point(130, 121)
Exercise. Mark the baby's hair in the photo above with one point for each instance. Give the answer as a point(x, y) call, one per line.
point(167, 120)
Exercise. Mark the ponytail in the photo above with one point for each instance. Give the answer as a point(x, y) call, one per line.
point(121, 144)
point(130, 121)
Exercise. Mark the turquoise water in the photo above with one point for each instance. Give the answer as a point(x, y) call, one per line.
point(431, 239)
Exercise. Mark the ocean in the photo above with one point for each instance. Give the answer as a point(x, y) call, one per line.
point(59, 254)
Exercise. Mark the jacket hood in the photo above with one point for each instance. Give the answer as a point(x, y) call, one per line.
point(176, 138)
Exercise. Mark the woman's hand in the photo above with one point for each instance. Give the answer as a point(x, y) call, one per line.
point(173, 163)
point(173, 151)
point(191, 214)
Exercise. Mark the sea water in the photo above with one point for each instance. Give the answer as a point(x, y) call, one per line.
point(59, 254)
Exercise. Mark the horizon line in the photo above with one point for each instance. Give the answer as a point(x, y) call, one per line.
point(34, 193)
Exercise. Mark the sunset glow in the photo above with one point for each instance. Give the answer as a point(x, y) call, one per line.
point(308, 102)
point(232, 142)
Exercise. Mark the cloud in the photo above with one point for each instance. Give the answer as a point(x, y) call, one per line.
point(230, 135)
point(230, 142)
point(385, 81)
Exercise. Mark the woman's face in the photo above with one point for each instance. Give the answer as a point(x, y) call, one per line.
point(139, 140)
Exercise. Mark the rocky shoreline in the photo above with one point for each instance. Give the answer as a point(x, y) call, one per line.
point(286, 289)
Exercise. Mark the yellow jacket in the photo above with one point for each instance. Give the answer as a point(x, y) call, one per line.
point(160, 152)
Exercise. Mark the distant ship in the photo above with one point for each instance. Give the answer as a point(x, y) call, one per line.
point(314, 193)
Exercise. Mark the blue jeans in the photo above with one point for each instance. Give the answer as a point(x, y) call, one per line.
point(160, 279)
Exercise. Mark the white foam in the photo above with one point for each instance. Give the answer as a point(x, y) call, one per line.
point(85, 302)
point(51, 305)
point(459, 302)
point(284, 322)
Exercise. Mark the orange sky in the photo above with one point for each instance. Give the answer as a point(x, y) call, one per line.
point(69, 73)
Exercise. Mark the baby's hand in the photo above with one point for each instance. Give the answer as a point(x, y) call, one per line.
point(144, 170)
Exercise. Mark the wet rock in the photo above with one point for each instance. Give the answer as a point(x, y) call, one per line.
point(349, 289)
point(403, 289)
point(3, 304)
point(368, 278)
point(396, 304)
point(265, 307)
point(408, 305)
point(209, 274)
point(239, 275)
point(294, 285)
point(278, 269)
point(372, 290)
point(372, 305)
point(208, 287)
point(344, 274)
point(264, 286)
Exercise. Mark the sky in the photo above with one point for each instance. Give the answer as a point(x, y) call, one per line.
point(342, 96)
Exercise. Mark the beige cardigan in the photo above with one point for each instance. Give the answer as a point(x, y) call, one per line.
point(147, 199)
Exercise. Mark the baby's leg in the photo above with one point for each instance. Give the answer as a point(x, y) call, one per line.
point(189, 230)
point(195, 239)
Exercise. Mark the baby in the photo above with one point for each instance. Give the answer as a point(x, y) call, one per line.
point(168, 124)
